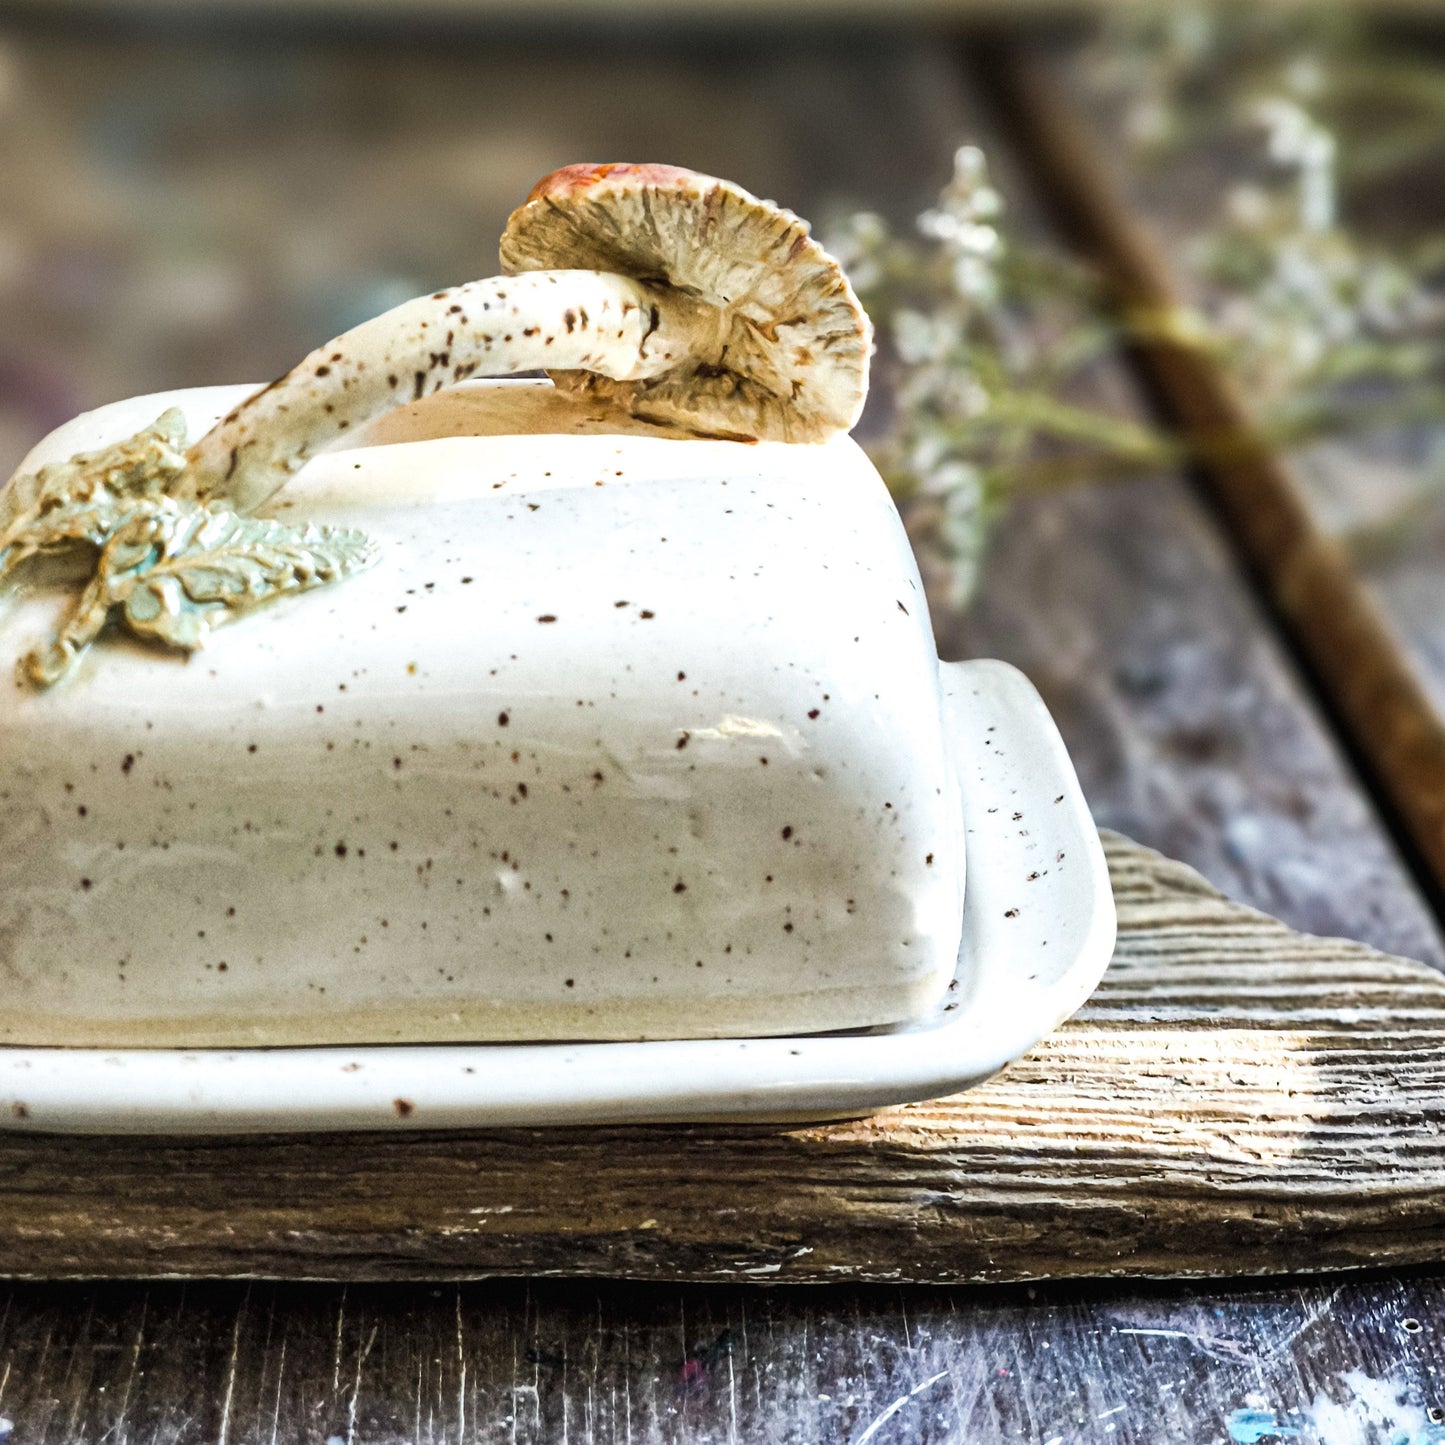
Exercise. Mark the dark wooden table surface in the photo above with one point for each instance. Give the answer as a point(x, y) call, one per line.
point(186, 204)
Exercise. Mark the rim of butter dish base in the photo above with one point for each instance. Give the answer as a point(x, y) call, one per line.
point(1038, 932)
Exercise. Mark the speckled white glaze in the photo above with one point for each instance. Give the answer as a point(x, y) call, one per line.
point(1038, 931)
point(625, 737)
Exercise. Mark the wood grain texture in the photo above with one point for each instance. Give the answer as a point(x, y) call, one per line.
point(1381, 497)
point(607, 1363)
point(1188, 720)
point(1309, 579)
point(1187, 723)
point(1374, 492)
point(1237, 1098)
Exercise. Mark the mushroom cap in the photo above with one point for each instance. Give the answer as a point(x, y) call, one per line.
point(782, 351)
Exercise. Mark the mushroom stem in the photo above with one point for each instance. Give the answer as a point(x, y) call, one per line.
point(583, 320)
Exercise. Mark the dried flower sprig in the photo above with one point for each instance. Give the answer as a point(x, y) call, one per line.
point(983, 337)
point(1178, 78)
point(1281, 114)
point(1326, 331)
point(985, 334)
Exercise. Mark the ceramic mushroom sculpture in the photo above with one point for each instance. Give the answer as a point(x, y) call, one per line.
point(671, 296)
point(676, 296)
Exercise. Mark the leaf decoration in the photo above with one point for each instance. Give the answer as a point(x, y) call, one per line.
point(177, 569)
point(84, 499)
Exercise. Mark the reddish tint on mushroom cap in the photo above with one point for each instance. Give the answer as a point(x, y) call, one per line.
point(777, 344)
point(573, 180)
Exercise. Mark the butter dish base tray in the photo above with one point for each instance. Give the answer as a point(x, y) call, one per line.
point(1038, 932)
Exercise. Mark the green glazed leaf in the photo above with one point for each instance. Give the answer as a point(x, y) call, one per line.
point(174, 568)
point(84, 499)
point(177, 569)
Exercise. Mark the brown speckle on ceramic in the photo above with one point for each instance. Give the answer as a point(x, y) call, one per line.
point(543, 728)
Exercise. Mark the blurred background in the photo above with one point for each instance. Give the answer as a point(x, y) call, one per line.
point(195, 194)
point(200, 193)
point(192, 197)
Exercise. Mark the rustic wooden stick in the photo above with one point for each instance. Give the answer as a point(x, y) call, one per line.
point(1236, 1099)
point(1362, 673)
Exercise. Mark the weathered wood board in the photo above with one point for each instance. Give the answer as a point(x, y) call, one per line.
point(606, 1363)
point(1236, 1099)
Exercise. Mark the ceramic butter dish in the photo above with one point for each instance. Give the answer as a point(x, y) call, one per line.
point(623, 735)
point(610, 774)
